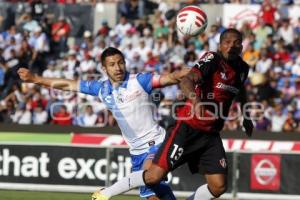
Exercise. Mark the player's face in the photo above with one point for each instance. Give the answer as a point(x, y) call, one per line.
point(115, 68)
point(231, 46)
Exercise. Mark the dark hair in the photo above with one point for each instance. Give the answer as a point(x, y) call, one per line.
point(110, 51)
point(231, 30)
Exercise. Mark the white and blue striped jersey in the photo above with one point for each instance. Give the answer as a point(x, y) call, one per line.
point(131, 106)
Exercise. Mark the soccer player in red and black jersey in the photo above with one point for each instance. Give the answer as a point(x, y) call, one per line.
point(210, 88)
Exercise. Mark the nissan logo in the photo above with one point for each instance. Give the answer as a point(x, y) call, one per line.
point(265, 171)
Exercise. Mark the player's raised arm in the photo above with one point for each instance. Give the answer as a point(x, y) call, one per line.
point(174, 77)
point(57, 83)
point(187, 85)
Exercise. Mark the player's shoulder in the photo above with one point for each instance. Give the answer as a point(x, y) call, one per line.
point(244, 65)
point(209, 56)
point(209, 59)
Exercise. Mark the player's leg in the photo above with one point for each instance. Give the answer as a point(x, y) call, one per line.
point(167, 155)
point(146, 191)
point(138, 163)
point(136, 179)
point(162, 189)
point(216, 184)
point(213, 165)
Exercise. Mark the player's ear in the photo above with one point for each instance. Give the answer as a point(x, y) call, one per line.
point(104, 67)
point(241, 48)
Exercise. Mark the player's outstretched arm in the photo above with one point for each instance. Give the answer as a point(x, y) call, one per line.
point(174, 77)
point(57, 83)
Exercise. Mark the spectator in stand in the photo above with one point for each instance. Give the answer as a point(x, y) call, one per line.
point(22, 115)
point(282, 54)
point(88, 41)
point(98, 49)
point(268, 13)
point(190, 58)
point(70, 65)
point(7, 109)
point(10, 78)
point(129, 9)
point(39, 115)
point(286, 32)
point(51, 71)
point(40, 44)
point(144, 24)
point(122, 27)
point(104, 29)
point(161, 47)
point(10, 46)
point(60, 31)
point(89, 118)
point(143, 50)
point(276, 117)
point(297, 28)
point(261, 32)
point(2, 73)
point(25, 54)
point(38, 100)
point(37, 9)
point(87, 65)
point(62, 117)
point(251, 56)
point(161, 30)
point(213, 38)
point(264, 64)
point(9, 34)
point(152, 64)
point(27, 23)
point(290, 124)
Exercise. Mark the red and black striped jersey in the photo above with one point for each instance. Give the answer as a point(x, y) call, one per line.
point(220, 82)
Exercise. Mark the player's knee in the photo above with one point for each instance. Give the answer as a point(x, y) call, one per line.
point(152, 178)
point(218, 189)
point(153, 198)
point(153, 175)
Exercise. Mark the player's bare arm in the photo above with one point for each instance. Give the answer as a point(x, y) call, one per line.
point(174, 77)
point(187, 85)
point(57, 83)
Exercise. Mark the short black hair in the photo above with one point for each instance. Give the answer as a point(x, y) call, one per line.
point(110, 51)
point(230, 30)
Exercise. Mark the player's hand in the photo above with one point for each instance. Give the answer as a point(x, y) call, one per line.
point(248, 125)
point(26, 75)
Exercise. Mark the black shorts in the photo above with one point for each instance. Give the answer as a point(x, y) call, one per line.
point(204, 152)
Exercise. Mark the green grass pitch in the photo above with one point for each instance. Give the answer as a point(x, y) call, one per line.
point(28, 195)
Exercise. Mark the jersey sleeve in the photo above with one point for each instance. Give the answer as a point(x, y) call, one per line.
point(206, 66)
point(90, 87)
point(148, 81)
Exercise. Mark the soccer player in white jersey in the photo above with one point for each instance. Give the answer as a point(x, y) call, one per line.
point(127, 97)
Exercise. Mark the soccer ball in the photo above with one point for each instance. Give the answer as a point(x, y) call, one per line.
point(191, 21)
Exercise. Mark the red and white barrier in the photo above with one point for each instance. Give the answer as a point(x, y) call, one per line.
point(229, 144)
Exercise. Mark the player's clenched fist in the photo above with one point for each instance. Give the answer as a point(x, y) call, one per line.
point(26, 75)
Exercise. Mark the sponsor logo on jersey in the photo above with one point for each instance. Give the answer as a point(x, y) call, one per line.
point(227, 87)
point(207, 58)
point(223, 75)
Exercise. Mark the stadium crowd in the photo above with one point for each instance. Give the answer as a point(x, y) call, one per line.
point(150, 44)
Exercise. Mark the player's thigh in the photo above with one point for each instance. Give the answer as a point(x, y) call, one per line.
point(213, 158)
point(172, 149)
point(147, 164)
point(150, 156)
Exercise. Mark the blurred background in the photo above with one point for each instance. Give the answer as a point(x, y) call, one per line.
point(65, 39)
